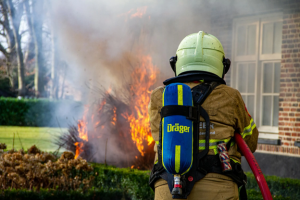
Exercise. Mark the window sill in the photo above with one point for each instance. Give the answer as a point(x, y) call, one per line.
point(297, 144)
point(268, 131)
point(269, 141)
point(269, 137)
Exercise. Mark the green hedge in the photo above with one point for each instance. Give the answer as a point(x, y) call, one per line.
point(130, 184)
point(32, 112)
point(44, 194)
point(278, 186)
point(135, 184)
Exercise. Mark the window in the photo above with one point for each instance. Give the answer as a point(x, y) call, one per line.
point(256, 67)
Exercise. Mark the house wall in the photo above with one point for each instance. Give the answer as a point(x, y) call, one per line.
point(289, 98)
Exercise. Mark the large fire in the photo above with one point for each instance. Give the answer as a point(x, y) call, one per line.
point(131, 113)
point(139, 120)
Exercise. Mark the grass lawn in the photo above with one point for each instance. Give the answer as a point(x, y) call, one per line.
point(42, 137)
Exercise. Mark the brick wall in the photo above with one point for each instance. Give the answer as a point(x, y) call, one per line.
point(289, 99)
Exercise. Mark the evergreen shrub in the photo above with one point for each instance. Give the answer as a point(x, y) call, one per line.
point(285, 187)
point(131, 184)
point(32, 112)
point(50, 194)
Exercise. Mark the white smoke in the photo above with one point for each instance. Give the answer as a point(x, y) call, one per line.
point(100, 39)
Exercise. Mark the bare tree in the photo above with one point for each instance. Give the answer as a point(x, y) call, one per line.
point(54, 64)
point(8, 50)
point(35, 23)
point(15, 11)
point(55, 60)
point(27, 21)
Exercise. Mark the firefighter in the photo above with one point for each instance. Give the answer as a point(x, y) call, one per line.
point(199, 59)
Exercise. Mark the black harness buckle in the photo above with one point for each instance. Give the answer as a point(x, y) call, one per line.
point(192, 114)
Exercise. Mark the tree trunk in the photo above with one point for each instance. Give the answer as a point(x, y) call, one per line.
point(9, 71)
point(39, 82)
point(54, 80)
point(17, 37)
point(35, 23)
point(54, 87)
point(10, 51)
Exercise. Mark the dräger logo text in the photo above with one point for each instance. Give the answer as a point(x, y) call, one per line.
point(176, 127)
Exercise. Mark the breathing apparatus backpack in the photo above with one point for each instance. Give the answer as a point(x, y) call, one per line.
point(178, 154)
point(179, 161)
point(177, 133)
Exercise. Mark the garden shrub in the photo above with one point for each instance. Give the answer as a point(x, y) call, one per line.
point(33, 112)
point(135, 183)
point(285, 187)
point(50, 194)
point(131, 184)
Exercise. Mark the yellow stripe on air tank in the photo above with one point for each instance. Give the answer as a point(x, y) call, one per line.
point(178, 147)
point(180, 95)
point(162, 145)
point(163, 98)
point(177, 158)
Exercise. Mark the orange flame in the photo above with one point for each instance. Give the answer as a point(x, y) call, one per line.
point(82, 125)
point(83, 132)
point(143, 78)
point(79, 146)
point(114, 118)
point(139, 12)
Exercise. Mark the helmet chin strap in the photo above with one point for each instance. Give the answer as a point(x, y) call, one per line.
point(226, 64)
point(173, 61)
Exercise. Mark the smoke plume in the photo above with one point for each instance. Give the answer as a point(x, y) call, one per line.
point(102, 40)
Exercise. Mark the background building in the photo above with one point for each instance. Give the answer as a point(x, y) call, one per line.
point(262, 39)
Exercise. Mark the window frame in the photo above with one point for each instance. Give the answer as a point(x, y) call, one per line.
point(265, 20)
point(272, 129)
point(248, 21)
point(255, 89)
point(258, 59)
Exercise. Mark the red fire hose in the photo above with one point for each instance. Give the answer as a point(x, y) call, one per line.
point(254, 167)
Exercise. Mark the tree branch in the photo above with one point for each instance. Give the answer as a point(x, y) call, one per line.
point(23, 32)
point(6, 26)
point(3, 50)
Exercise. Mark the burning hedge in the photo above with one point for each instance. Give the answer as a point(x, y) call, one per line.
point(116, 129)
point(37, 169)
